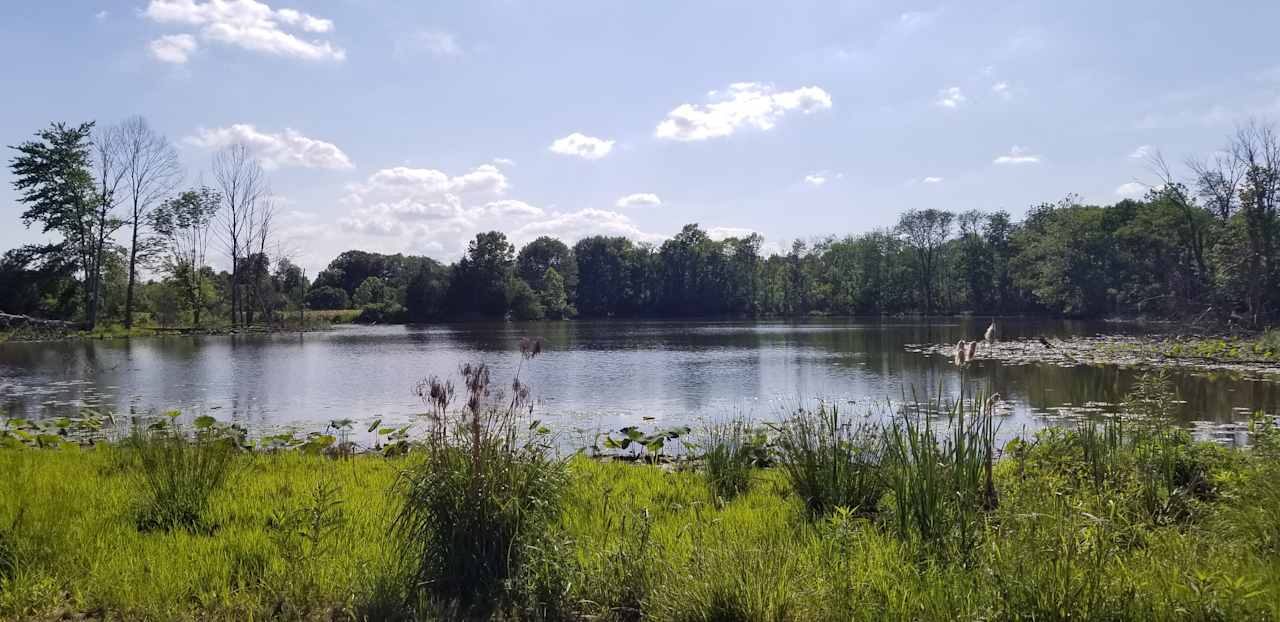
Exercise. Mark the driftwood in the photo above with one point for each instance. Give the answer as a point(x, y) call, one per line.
point(8, 320)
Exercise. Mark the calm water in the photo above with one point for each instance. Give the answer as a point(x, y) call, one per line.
point(593, 375)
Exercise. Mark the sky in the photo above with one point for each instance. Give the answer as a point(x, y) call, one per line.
point(411, 126)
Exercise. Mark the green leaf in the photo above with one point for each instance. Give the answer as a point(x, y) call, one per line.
point(374, 426)
point(204, 422)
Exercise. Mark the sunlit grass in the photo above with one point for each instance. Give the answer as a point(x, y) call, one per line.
point(295, 535)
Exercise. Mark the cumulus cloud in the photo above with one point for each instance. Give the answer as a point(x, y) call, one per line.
point(504, 161)
point(639, 199)
point(275, 150)
point(582, 146)
point(745, 104)
point(951, 97)
point(1002, 89)
point(427, 210)
point(176, 49)
point(1131, 190)
point(250, 25)
point(1018, 155)
point(1142, 152)
point(932, 180)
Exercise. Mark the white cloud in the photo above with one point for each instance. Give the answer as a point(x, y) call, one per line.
point(721, 233)
point(932, 180)
point(102, 15)
point(815, 179)
point(250, 25)
point(440, 44)
point(175, 49)
point(504, 161)
point(1131, 190)
point(583, 146)
point(1002, 89)
point(287, 149)
point(744, 104)
point(639, 199)
point(1142, 152)
point(404, 209)
point(1018, 155)
point(951, 97)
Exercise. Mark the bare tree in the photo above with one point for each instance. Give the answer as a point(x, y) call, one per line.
point(240, 179)
point(109, 173)
point(1194, 232)
point(1256, 149)
point(151, 173)
point(260, 236)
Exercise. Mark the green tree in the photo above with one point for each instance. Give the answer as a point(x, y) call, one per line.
point(554, 300)
point(373, 291)
point(482, 278)
point(54, 180)
point(925, 233)
point(183, 223)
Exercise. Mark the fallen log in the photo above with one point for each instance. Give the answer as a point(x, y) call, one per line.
point(8, 320)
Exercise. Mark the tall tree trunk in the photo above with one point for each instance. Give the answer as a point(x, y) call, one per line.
point(133, 272)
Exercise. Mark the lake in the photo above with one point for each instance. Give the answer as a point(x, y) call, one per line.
point(593, 375)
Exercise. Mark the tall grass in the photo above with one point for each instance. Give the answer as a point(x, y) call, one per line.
point(732, 449)
point(831, 462)
point(179, 475)
point(942, 481)
point(480, 502)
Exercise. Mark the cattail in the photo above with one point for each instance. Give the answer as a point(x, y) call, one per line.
point(991, 332)
point(973, 350)
point(960, 352)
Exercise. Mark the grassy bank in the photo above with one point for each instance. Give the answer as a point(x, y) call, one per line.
point(312, 320)
point(821, 518)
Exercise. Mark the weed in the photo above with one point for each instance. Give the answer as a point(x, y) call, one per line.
point(732, 449)
point(179, 475)
point(480, 498)
point(831, 462)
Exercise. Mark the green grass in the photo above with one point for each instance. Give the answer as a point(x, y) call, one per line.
point(1091, 523)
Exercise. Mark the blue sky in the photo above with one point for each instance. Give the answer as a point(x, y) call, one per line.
point(409, 126)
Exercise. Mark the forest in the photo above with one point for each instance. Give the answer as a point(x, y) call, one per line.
point(130, 243)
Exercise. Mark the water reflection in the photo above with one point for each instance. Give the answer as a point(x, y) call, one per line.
point(593, 374)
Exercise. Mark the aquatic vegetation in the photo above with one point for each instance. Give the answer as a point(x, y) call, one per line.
point(831, 462)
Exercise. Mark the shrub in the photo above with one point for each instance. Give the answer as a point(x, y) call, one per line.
point(180, 474)
point(480, 500)
point(328, 297)
point(831, 463)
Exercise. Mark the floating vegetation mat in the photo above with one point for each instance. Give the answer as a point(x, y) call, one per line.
point(1120, 350)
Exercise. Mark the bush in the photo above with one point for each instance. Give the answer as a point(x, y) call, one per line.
point(481, 501)
point(179, 475)
point(831, 463)
point(327, 297)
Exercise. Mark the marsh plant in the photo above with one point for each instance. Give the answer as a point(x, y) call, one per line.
point(831, 461)
point(179, 473)
point(731, 450)
point(482, 496)
point(942, 479)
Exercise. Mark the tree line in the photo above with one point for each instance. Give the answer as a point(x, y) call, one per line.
point(1199, 245)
